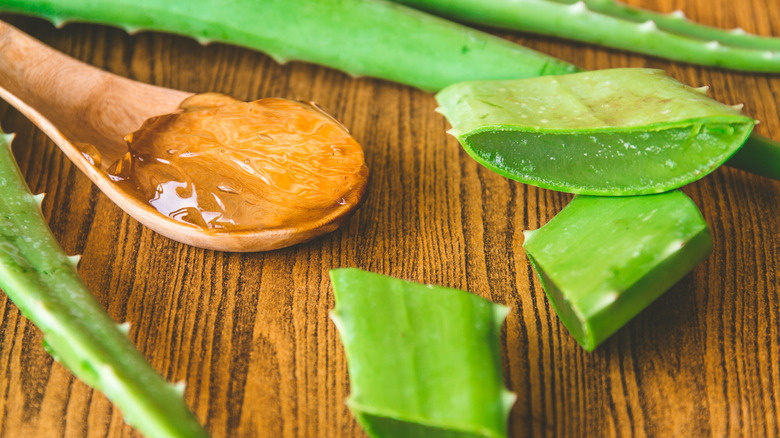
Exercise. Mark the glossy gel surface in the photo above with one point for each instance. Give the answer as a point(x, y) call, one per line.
point(222, 164)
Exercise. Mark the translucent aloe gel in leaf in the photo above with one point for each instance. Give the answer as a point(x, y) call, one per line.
point(610, 132)
point(424, 361)
point(602, 260)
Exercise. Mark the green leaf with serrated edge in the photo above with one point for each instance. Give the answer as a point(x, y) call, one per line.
point(611, 132)
point(424, 361)
point(602, 260)
point(43, 282)
point(361, 37)
point(612, 24)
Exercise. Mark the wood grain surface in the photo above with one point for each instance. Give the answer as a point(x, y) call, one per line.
point(250, 334)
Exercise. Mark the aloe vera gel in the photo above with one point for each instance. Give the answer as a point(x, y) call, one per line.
point(602, 260)
point(612, 132)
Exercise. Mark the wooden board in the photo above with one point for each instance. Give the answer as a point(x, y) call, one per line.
point(250, 334)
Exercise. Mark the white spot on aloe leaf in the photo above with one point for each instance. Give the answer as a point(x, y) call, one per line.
point(578, 8)
point(713, 45)
point(648, 26)
point(738, 107)
point(124, 327)
point(738, 31)
point(179, 387)
point(74, 260)
point(703, 90)
point(58, 22)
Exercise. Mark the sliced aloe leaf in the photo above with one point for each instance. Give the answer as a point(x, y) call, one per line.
point(611, 132)
point(602, 260)
point(424, 361)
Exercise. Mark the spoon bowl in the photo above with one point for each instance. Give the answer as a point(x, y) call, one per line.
point(75, 104)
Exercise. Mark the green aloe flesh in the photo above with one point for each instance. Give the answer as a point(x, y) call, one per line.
point(361, 37)
point(611, 132)
point(609, 23)
point(43, 282)
point(602, 260)
point(424, 361)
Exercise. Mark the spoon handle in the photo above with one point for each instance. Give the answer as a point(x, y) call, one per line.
point(68, 98)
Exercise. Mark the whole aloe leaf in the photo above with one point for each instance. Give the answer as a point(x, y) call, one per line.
point(602, 260)
point(424, 361)
point(610, 132)
point(361, 37)
point(606, 22)
point(43, 282)
point(677, 23)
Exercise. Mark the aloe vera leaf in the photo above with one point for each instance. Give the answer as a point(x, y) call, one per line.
point(361, 37)
point(611, 132)
point(579, 22)
point(424, 361)
point(676, 22)
point(602, 260)
point(395, 43)
point(43, 282)
point(760, 155)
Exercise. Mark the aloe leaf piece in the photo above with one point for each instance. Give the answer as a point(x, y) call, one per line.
point(361, 37)
point(424, 361)
point(43, 282)
point(587, 22)
point(611, 132)
point(602, 260)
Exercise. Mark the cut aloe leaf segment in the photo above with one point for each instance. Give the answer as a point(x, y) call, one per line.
point(612, 132)
point(602, 260)
point(424, 361)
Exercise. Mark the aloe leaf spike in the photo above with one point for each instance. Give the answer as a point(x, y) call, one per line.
point(579, 22)
point(602, 260)
point(424, 361)
point(43, 282)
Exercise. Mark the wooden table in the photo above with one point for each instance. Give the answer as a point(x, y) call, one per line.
point(250, 334)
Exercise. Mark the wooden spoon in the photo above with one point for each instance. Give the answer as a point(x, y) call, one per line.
point(73, 103)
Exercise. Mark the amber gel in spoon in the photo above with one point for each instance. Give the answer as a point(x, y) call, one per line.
point(225, 165)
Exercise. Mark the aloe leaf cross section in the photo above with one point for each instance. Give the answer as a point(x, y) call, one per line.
point(616, 132)
point(424, 361)
point(602, 260)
